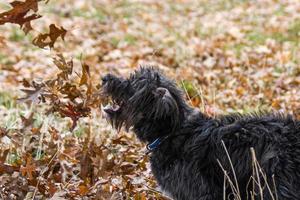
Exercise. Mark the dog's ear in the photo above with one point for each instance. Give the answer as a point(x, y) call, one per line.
point(166, 104)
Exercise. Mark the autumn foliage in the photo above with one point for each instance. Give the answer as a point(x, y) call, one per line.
point(54, 142)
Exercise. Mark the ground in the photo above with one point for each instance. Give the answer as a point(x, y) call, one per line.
point(227, 55)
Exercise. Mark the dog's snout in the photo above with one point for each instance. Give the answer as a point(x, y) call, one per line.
point(160, 91)
point(107, 78)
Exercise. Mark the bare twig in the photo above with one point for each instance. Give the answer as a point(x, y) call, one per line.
point(233, 171)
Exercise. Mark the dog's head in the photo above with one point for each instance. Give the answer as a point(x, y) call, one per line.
point(147, 101)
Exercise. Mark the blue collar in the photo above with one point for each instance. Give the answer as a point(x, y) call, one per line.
point(153, 145)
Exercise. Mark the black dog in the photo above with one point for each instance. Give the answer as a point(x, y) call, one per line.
point(194, 156)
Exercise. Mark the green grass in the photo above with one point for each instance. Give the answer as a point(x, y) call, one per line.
point(189, 88)
point(97, 14)
point(294, 32)
point(256, 37)
point(38, 119)
point(7, 100)
point(130, 39)
point(280, 11)
point(4, 7)
point(13, 158)
point(278, 69)
point(236, 47)
point(115, 41)
point(79, 130)
point(17, 35)
point(291, 35)
point(38, 154)
point(11, 121)
point(3, 58)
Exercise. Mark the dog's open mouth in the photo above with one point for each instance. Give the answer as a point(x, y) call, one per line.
point(111, 108)
point(112, 112)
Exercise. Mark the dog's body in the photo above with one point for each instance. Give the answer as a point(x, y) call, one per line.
point(189, 150)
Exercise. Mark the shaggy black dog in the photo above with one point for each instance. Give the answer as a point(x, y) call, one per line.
point(194, 156)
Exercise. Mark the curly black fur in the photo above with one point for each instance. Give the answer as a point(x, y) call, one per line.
point(187, 163)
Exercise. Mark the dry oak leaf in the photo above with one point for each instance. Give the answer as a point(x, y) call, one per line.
point(19, 14)
point(74, 112)
point(83, 189)
point(3, 131)
point(4, 168)
point(85, 77)
point(29, 168)
point(70, 91)
point(27, 27)
point(33, 95)
point(48, 39)
point(65, 67)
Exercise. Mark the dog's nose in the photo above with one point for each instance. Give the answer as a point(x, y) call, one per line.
point(106, 78)
point(161, 91)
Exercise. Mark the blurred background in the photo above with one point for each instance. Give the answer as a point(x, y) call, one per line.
point(227, 55)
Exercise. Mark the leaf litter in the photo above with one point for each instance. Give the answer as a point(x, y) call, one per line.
point(54, 142)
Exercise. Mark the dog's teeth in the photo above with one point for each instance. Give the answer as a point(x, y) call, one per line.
point(102, 111)
point(107, 106)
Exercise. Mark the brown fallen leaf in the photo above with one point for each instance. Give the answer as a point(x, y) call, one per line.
point(19, 14)
point(2, 41)
point(86, 172)
point(70, 91)
point(4, 168)
point(3, 131)
point(83, 189)
point(85, 75)
point(33, 95)
point(86, 80)
point(75, 112)
point(54, 133)
point(27, 27)
point(65, 67)
point(42, 40)
point(29, 169)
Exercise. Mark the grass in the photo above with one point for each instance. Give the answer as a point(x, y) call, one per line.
point(17, 35)
point(189, 88)
point(258, 180)
point(38, 119)
point(2, 58)
point(13, 158)
point(291, 35)
point(79, 130)
point(4, 7)
point(7, 100)
point(114, 41)
point(257, 38)
point(130, 39)
point(294, 32)
point(96, 14)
